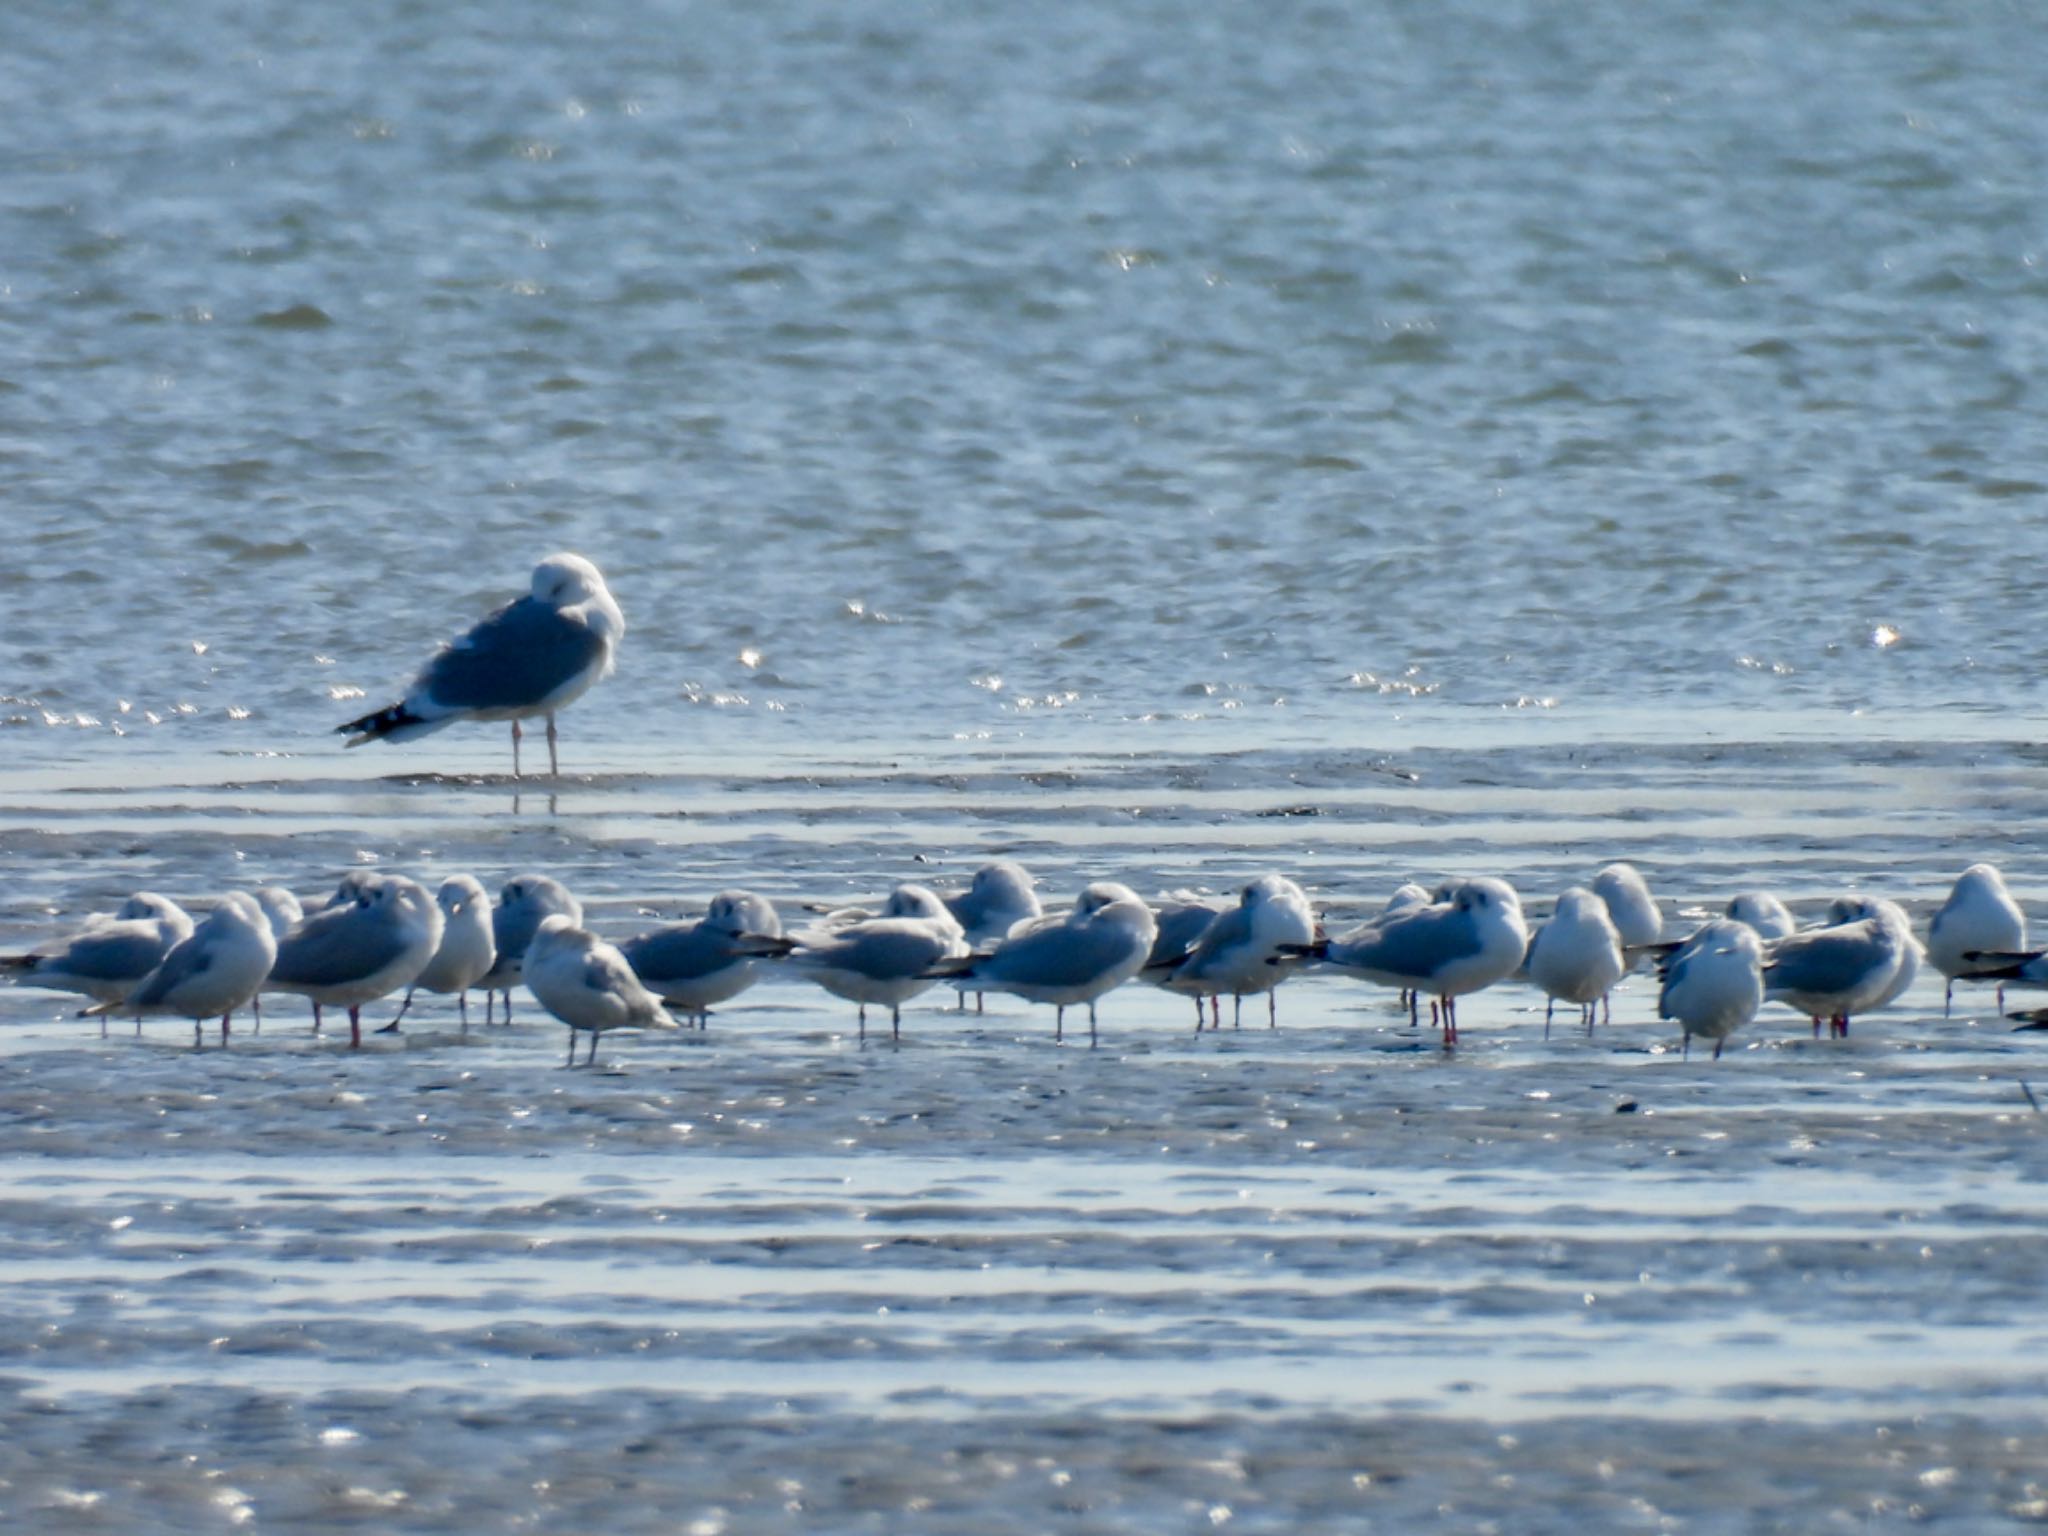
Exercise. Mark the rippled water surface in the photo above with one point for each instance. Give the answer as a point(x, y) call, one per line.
point(1372, 442)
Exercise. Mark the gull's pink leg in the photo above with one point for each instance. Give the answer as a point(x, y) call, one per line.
point(516, 734)
point(554, 768)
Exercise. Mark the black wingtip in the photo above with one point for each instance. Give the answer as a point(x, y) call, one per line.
point(380, 722)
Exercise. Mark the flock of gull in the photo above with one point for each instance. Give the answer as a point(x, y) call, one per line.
point(380, 934)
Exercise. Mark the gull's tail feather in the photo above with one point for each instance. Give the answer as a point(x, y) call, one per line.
point(954, 966)
point(2000, 964)
point(762, 946)
point(394, 723)
point(19, 962)
point(1319, 950)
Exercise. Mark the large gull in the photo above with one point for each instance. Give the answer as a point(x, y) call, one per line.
point(534, 656)
point(1002, 897)
point(1178, 925)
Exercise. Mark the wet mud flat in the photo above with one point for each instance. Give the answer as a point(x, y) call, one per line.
point(768, 1277)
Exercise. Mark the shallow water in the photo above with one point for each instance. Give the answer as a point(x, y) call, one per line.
point(770, 1277)
point(1372, 442)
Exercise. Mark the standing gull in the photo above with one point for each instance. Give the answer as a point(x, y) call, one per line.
point(1630, 905)
point(1001, 897)
point(1576, 956)
point(1979, 917)
point(1250, 948)
point(1854, 909)
point(466, 951)
point(532, 657)
point(1713, 982)
point(1763, 912)
point(587, 984)
point(108, 958)
point(1180, 921)
point(281, 909)
point(352, 953)
point(514, 921)
point(216, 970)
point(1445, 949)
point(1839, 971)
point(694, 966)
point(884, 961)
point(1071, 960)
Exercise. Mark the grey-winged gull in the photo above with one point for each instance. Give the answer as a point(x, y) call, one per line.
point(1070, 960)
point(514, 921)
point(355, 952)
point(110, 955)
point(215, 970)
point(693, 966)
point(884, 961)
point(534, 656)
point(1445, 949)
point(1249, 948)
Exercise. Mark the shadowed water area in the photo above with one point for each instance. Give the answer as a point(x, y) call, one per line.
point(1371, 443)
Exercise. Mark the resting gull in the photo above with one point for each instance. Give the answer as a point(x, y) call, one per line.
point(534, 656)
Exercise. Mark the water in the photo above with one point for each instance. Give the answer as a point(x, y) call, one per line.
point(1371, 442)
